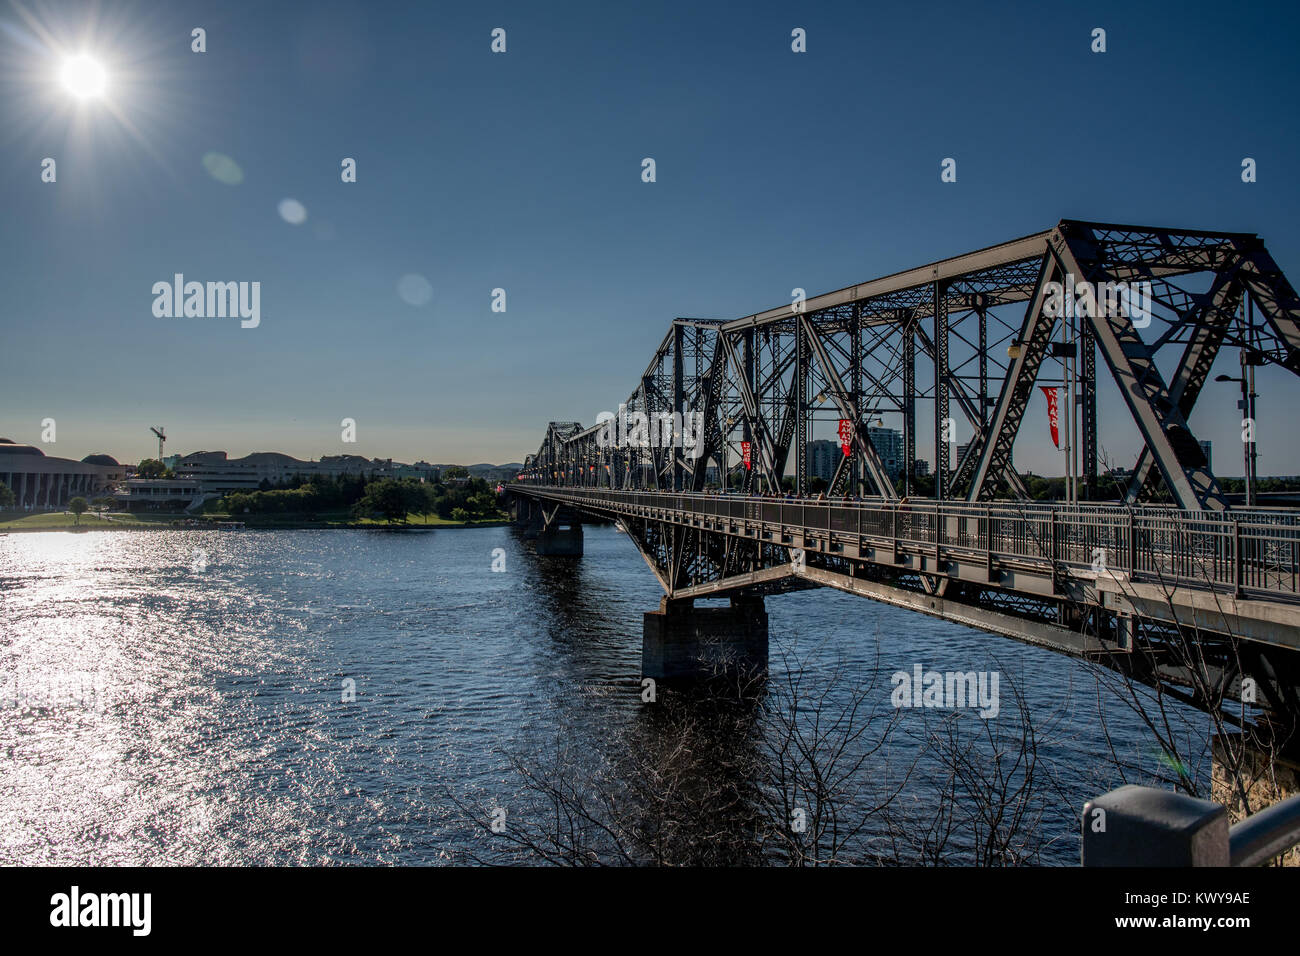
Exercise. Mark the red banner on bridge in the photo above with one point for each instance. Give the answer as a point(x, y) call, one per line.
point(1053, 413)
point(846, 436)
point(744, 454)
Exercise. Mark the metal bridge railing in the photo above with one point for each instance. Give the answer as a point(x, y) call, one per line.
point(1147, 826)
point(1239, 552)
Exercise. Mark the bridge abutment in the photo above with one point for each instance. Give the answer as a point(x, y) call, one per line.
point(681, 642)
point(1266, 777)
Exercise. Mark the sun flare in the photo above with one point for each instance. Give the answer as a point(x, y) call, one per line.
point(83, 77)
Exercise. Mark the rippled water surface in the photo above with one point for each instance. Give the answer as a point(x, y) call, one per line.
point(176, 696)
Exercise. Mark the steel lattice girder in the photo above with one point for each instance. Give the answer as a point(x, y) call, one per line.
point(1132, 362)
point(751, 378)
point(1220, 307)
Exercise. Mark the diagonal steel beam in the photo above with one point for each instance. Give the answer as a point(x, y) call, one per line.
point(1131, 362)
point(967, 405)
point(848, 409)
point(994, 454)
point(1273, 293)
point(762, 437)
point(1209, 327)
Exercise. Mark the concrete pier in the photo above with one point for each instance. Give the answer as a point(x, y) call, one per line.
point(528, 516)
point(562, 537)
point(561, 541)
point(688, 643)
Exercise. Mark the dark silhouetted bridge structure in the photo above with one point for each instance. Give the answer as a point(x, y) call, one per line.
point(732, 406)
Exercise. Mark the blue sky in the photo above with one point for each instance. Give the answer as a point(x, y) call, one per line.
point(522, 171)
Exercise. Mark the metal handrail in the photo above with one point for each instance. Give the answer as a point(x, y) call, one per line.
point(1150, 826)
point(1243, 515)
point(1234, 551)
point(1265, 835)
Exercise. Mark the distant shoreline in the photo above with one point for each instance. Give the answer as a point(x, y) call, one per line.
point(63, 522)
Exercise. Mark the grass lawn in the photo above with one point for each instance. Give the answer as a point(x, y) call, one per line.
point(58, 520)
point(429, 521)
point(342, 519)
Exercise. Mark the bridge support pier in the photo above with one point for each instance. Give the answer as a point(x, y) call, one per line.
point(528, 516)
point(556, 541)
point(687, 643)
point(522, 509)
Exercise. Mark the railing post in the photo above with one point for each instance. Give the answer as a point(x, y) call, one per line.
point(940, 532)
point(1146, 826)
point(988, 546)
point(1237, 570)
point(893, 533)
point(1132, 545)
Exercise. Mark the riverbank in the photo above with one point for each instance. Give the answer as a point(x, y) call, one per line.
point(66, 521)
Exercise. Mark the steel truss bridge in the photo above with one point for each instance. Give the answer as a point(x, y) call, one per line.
point(968, 339)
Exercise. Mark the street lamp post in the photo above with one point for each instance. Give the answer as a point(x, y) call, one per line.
point(1247, 406)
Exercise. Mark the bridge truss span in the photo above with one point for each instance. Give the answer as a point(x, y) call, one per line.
point(951, 353)
point(945, 359)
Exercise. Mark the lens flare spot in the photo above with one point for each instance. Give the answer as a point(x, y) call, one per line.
point(414, 289)
point(292, 212)
point(223, 169)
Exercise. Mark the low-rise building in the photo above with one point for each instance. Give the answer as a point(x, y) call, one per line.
point(220, 473)
point(41, 481)
point(136, 494)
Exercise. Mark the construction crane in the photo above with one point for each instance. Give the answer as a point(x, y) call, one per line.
point(162, 438)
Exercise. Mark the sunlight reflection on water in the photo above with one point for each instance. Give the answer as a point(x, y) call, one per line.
point(163, 710)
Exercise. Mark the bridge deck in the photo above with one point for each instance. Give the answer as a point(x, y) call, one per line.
point(1236, 573)
point(1244, 553)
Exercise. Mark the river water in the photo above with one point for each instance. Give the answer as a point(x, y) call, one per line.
point(182, 697)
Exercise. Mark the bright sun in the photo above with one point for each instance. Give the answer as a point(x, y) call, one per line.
point(83, 77)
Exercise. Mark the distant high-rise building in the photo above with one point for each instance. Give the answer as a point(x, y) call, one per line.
point(922, 467)
point(1206, 448)
point(888, 443)
point(823, 458)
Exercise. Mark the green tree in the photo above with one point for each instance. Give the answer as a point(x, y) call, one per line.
point(238, 503)
point(392, 499)
point(6, 496)
point(456, 471)
point(429, 494)
point(151, 468)
point(78, 507)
